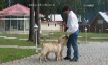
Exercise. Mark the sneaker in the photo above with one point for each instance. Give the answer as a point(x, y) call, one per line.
point(74, 60)
point(66, 58)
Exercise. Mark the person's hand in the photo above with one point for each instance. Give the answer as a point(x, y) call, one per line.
point(66, 28)
point(67, 34)
point(67, 37)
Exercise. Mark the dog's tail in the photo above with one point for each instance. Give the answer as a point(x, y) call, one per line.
point(44, 40)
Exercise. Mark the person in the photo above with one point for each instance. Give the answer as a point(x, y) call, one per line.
point(73, 31)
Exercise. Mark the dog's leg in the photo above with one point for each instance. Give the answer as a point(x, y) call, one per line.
point(45, 59)
point(61, 55)
point(47, 55)
point(40, 58)
point(58, 56)
point(43, 56)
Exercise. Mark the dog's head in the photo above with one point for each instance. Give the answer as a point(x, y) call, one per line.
point(62, 39)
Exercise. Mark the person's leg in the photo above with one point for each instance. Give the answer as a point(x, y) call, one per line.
point(69, 48)
point(75, 46)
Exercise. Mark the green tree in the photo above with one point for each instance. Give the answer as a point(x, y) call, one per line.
point(76, 4)
point(2, 4)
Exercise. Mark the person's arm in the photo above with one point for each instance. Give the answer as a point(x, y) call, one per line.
point(65, 26)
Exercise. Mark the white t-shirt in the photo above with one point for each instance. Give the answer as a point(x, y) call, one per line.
point(72, 22)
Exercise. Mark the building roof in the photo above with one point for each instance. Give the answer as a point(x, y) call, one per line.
point(55, 17)
point(17, 9)
point(104, 16)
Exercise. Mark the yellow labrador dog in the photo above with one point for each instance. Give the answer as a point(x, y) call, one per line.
point(53, 47)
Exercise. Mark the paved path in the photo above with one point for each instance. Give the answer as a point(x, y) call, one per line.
point(91, 54)
point(17, 46)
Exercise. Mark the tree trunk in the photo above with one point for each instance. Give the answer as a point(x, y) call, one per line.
point(32, 22)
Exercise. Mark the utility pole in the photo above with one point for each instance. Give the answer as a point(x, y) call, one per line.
point(37, 20)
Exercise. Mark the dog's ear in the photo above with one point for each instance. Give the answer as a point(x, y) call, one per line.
point(59, 40)
point(65, 37)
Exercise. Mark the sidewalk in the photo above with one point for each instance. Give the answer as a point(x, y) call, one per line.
point(17, 46)
point(91, 54)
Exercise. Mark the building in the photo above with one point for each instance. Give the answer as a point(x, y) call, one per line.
point(53, 23)
point(14, 19)
point(100, 23)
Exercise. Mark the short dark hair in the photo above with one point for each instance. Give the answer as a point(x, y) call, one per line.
point(66, 8)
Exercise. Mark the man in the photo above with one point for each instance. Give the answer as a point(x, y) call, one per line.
point(73, 31)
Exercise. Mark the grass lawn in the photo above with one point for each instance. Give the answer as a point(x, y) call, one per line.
point(20, 36)
point(82, 36)
point(15, 41)
point(7, 55)
point(89, 35)
point(47, 36)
